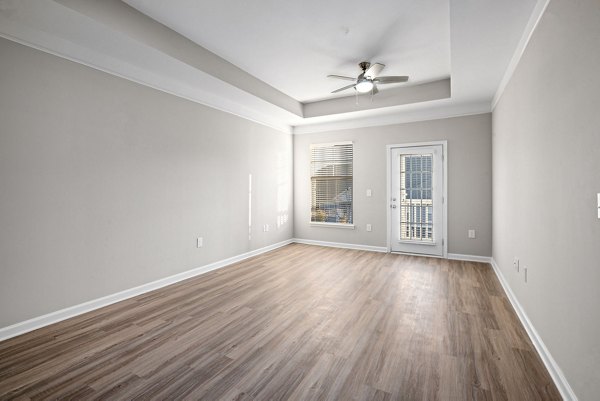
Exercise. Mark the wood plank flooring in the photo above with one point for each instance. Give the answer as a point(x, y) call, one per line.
point(299, 323)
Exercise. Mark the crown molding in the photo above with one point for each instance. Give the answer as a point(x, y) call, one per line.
point(423, 112)
point(129, 22)
point(536, 16)
point(249, 115)
point(66, 33)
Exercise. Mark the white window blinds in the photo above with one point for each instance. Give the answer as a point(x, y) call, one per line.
point(331, 183)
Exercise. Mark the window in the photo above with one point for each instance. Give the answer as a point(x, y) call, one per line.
point(331, 183)
point(416, 204)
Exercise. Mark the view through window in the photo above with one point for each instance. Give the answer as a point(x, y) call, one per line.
point(416, 204)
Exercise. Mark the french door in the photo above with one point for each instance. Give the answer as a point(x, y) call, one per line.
point(416, 203)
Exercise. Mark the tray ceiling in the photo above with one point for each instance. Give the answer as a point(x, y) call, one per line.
point(267, 60)
point(294, 45)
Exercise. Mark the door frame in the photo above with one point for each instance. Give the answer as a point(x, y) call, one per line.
point(388, 152)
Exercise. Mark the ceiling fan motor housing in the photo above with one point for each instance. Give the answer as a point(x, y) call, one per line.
point(364, 65)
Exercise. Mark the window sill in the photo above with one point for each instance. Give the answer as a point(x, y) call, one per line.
point(333, 225)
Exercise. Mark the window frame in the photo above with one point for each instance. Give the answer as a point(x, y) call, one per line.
point(350, 226)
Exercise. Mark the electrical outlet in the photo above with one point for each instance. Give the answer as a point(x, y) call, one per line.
point(516, 264)
point(369, 193)
point(200, 242)
point(599, 205)
point(369, 228)
point(265, 228)
point(471, 233)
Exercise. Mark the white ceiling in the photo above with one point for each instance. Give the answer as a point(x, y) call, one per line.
point(269, 57)
point(294, 45)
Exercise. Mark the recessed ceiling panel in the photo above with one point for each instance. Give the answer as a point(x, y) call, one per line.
point(293, 45)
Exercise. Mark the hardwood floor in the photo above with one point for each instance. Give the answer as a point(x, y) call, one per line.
point(299, 323)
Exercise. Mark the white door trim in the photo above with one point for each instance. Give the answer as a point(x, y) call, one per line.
point(388, 153)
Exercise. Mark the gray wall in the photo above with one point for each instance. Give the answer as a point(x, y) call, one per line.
point(546, 163)
point(106, 184)
point(469, 181)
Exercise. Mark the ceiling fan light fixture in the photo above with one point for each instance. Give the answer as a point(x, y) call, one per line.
point(368, 80)
point(364, 86)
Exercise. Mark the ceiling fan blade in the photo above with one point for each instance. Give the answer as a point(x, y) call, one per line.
point(343, 89)
point(341, 77)
point(390, 79)
point(374, 70)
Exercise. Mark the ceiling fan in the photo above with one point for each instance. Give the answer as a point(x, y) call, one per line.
point(369, 78)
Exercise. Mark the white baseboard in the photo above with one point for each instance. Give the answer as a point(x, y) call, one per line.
point(470, 258)
point(452, 256)
point(341, 245)
point(55, 317)
point(555, 372)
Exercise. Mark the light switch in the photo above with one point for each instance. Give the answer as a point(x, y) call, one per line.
point(471, 233)
point(599, 206)
point(200, 242)
point(369, 228)
point(369, 193)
